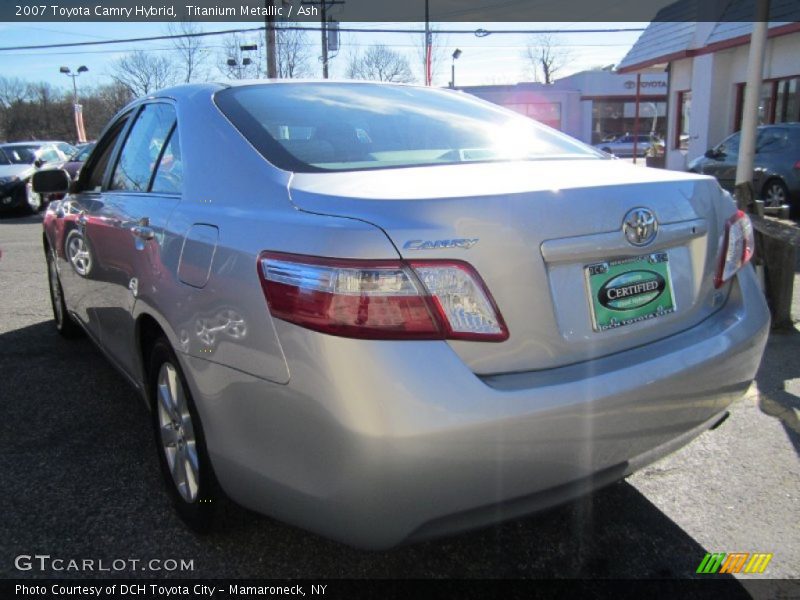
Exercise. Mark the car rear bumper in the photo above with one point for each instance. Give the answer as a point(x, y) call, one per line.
point(375, 443)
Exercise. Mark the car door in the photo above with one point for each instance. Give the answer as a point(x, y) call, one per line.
point(772, 158)
point(79, 241)
point(142, 191)
point(623, 146)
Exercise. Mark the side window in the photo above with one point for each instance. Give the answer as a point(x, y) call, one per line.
point(66, 149)
point(143, 147)
point(91, 175)
point(169, 173)
point(49, 155)
point(772, 139)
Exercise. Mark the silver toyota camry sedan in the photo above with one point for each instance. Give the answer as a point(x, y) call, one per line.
point(385, 313)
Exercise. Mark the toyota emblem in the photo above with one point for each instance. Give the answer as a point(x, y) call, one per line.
point(640, 226)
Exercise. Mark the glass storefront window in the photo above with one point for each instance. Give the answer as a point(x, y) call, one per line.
point(611, 119)
point(779, 101)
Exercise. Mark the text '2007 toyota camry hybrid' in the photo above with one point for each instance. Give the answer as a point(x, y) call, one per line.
point(386, 313)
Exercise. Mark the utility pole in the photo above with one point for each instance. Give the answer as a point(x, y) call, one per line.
point(272, 57)
point(324, 5)
point(744, 193)
point(428, 45)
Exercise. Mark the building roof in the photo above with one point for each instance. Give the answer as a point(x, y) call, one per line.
point(684, 29)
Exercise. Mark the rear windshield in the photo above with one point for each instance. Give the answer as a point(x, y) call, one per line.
point(308, 127)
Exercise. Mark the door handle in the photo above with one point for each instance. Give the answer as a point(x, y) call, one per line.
point(142, 229)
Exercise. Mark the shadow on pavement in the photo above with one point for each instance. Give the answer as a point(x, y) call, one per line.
point(779, 382)
point(15, 218)
point(81, 480)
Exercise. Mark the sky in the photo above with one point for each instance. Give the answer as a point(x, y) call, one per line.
point(493, 59)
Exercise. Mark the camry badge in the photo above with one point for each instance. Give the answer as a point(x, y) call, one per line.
point(464, 243)
point(640, 226)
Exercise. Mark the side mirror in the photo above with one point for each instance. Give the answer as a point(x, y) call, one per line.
point(51, 181)
point(38, 163)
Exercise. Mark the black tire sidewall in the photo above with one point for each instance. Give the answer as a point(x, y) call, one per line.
point(198, 514)
point(67, 327)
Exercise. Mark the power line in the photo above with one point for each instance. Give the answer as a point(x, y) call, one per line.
point(310, 44)
point(478, 33)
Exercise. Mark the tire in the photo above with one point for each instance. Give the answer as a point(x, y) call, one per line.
point(180, 442)
point(65, 325)
point(775, 193)
point(32, 202)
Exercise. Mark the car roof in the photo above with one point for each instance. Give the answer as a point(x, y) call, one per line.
point(31, 143)
point(791, 125)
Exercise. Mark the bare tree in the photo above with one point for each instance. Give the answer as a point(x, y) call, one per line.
point(143, 73)
point(379, 63)
point(232, 50)
point(191, 53)
point(294, 53)
point(439, 52)
point(12, 90)
point(545, 57)
point(13, 93)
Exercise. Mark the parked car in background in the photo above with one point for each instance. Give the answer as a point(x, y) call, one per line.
point(386, 312)
point(72, 166)
point(623, 145)
point(776, 167)
point(18, 162)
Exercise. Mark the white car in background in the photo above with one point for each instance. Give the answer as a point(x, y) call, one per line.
point(623, 145)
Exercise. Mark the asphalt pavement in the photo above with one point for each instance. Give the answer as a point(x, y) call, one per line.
point(80, 479)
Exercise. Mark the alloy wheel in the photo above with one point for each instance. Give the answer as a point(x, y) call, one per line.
point(33, 199)
point(177, 433)
point(79, 255)
point(775, 194)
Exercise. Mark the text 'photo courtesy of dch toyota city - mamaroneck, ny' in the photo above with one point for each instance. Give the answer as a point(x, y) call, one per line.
point(436, 298)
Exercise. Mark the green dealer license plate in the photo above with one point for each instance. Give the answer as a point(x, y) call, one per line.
point(629, 290)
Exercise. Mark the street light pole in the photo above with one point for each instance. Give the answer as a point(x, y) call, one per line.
point(456, 54)
point(77, 109)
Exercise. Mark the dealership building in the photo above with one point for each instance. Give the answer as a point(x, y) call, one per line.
point(707, 67)
point(590, 105)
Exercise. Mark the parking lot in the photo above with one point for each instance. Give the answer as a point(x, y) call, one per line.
point(80, 478)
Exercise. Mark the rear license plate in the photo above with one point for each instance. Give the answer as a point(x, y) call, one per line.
point(629, 290)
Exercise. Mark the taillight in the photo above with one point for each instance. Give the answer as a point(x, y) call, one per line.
point(425, 300)
point(738, 245)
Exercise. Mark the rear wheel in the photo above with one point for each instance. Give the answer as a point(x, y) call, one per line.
point(775, 193)
point(65, 325)
point(182, 452)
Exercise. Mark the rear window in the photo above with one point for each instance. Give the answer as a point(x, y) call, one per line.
point(310, 127)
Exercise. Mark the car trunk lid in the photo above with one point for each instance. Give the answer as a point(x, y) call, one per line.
point(532, 230)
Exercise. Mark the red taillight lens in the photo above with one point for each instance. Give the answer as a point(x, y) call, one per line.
point(380, 299)
point(738, 245)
